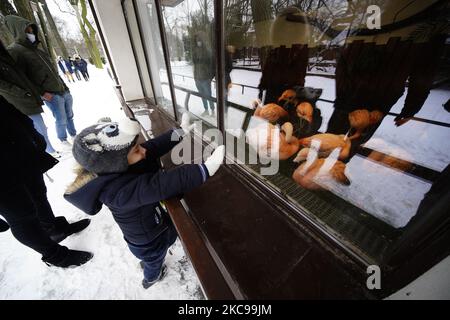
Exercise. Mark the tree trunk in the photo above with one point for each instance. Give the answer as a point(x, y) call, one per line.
point(24, 9)
point(89, 38)
point(54, 30)
point(50, 48)
point(6, 8)
point(5, 36)
point(96, 58)
point(82, 29)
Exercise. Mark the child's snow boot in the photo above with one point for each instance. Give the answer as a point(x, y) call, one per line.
point(147, 284)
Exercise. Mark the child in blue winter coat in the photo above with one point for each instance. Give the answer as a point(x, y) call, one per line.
point(126, 177)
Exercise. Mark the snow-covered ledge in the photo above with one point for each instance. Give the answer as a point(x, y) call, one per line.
point(117, 40)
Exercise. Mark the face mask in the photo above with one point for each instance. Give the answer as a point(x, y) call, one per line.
point(31, 37)
point(199, 43)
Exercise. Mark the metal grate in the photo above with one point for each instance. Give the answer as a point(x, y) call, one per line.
point(369, 234)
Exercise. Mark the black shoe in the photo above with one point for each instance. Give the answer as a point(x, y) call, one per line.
point(66, 258)
point(72, 228)
point(3, 226)
point(147, 284)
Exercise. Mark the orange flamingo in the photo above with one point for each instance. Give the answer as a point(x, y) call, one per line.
point(270, 112)
point(361, 119)
point(307, 176)
point(262, 138)
point(327, 143)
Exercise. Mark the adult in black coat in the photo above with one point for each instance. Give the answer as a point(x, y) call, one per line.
point(23, 199)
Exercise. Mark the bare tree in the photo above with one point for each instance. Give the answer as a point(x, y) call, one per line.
point(5, 9)
point(87, 30)
point(43, 27)
point(238, 19)
point(24, 9)
point(54, 29)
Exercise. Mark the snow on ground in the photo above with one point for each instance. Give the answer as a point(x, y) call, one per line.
point(113, 273)
point(388, 194)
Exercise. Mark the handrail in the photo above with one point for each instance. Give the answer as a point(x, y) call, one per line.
point(434, 122)
point(239, 84)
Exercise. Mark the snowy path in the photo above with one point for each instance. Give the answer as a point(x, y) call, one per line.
point(113, 273)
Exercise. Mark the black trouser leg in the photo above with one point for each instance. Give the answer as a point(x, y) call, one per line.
point(37, 192)
point(20, 213)
point(203, 90)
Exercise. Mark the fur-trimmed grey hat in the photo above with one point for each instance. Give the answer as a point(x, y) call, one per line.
point(103, 147)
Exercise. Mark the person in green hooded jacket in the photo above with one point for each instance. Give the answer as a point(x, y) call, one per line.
point(19, 91)
point(203, 68)
point(42, 73)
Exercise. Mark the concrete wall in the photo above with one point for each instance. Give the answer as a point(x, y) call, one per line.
point(112, 22)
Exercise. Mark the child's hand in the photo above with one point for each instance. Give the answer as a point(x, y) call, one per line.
point(215, 160)
point(186, 123)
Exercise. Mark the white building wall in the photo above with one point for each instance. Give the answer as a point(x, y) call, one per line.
point(432, 285)
point(112, 22)
point(138, 48)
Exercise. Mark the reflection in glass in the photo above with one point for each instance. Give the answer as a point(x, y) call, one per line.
point(356, 113)
point(189, 28)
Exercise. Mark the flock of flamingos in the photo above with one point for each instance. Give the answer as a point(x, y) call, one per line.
point(290, 130)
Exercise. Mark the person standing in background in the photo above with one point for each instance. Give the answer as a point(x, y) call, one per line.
point(74, 67)
point(40, 70)
point(204, 69)
point(19, 91)
point(66, 68)
point(81, 65)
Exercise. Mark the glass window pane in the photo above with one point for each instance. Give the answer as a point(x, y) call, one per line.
point(350, 109)
point(189, 27)
point(155, 56)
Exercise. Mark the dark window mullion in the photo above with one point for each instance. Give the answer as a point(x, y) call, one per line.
point(220, 68)
point(166, 57)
